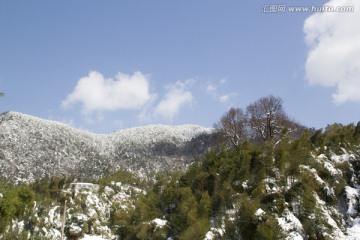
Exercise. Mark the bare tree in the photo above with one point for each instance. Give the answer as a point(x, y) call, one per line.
point(233, 124)
point(268, 119)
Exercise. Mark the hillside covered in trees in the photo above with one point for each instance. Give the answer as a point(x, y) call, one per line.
point(267, 177)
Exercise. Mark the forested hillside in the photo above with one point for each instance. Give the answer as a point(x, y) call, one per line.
point(265, 177)
point(304, 188)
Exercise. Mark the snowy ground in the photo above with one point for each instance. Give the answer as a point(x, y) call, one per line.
point(354, 231)
point(89, 237)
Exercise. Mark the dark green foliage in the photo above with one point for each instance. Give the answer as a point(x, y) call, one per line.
point(273, 202)
point(16, 202)
point(50, 189)
point(246, 218)
point(267, 229)
point(121, 175)
point(295, 191)
point(210, 188)
point(337, 136)
point(318, 138)
point(357, 133)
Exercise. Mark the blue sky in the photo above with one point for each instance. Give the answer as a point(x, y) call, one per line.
point(107, 65)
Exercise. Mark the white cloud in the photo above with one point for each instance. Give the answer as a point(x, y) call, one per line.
point(95, 93)
point(176, 98)
point(210, 88)
point(334, 51)
point(213, 91)
point(224, 98)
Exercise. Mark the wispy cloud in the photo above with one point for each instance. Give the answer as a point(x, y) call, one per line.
point(334, 49)
point(213, 91)
point(224, 98)
point(177, 97)
point(95, 93)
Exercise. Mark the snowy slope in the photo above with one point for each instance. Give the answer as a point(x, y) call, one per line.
point(33, 148)
point(335, 217)
point(340, 220)
point(87, 211)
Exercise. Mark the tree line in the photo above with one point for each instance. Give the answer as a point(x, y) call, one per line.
point(264, 120)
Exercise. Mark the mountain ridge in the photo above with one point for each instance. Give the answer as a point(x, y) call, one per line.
point(33, 148)
point(23, 115)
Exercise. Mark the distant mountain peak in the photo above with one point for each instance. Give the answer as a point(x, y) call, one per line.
point(33, 148)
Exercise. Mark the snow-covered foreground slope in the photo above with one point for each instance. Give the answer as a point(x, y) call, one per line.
point(338, 221)
point(91, 208)
point(334, 217)
point(33, 148)
point(88, 212)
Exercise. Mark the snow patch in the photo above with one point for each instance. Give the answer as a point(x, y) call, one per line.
point(354, 231)
point(328, 165)
point(259, 213)
point(341, 158)
point(322, 183)
point(245, 184)
point(291, 226)
point(90, 237)
point(336, 231)
point(352, 195)
point(159, 222)
point(214, 233)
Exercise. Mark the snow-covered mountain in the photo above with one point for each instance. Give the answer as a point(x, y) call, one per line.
point(307, 188)
point(32, 148)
